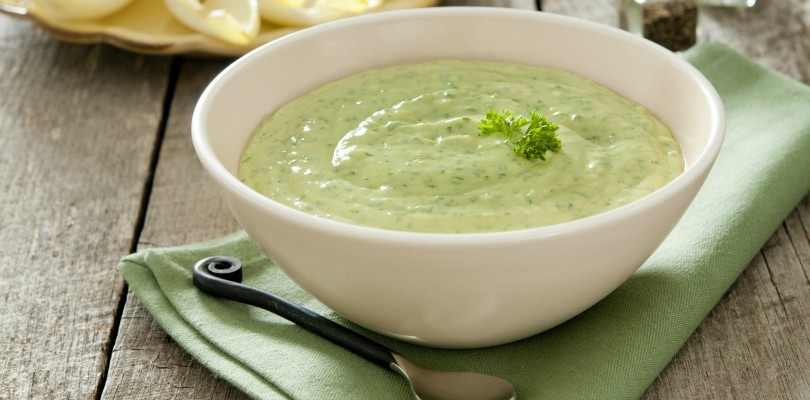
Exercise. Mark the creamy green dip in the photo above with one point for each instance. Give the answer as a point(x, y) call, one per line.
point(398, 148)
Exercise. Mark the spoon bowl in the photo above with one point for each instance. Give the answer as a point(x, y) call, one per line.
point(441, 385)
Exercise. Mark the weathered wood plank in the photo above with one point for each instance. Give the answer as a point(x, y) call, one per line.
point(76, 144)
point(147, 364)
point(754, 344)
point(183, 209)
point(775, 33)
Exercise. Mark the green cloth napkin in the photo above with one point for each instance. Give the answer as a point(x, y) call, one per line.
point(613, 350)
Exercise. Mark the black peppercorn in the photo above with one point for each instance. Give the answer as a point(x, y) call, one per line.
point(670, 23)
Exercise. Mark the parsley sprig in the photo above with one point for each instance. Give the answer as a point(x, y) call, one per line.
point(533, 143)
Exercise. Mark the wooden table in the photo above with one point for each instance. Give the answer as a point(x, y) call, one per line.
point(96, 162)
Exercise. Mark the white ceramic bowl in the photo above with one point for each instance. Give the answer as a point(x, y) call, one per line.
point(458, 290)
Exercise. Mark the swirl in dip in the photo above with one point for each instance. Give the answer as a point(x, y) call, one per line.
point(398, 148)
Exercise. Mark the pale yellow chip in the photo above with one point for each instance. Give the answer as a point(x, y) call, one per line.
point(303, 13)
point(233, 21)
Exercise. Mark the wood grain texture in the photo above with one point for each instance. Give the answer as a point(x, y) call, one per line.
point(755, 344)
point(147, 364)
point(75, 146)
point(183, 208)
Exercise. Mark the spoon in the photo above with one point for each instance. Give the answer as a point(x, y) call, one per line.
point(222, 276)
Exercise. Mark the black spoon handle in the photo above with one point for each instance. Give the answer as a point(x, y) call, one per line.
point(222, 276)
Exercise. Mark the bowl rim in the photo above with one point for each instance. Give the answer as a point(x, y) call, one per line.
point(692, 172)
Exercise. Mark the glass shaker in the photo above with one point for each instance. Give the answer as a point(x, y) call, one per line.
point(670, 23)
